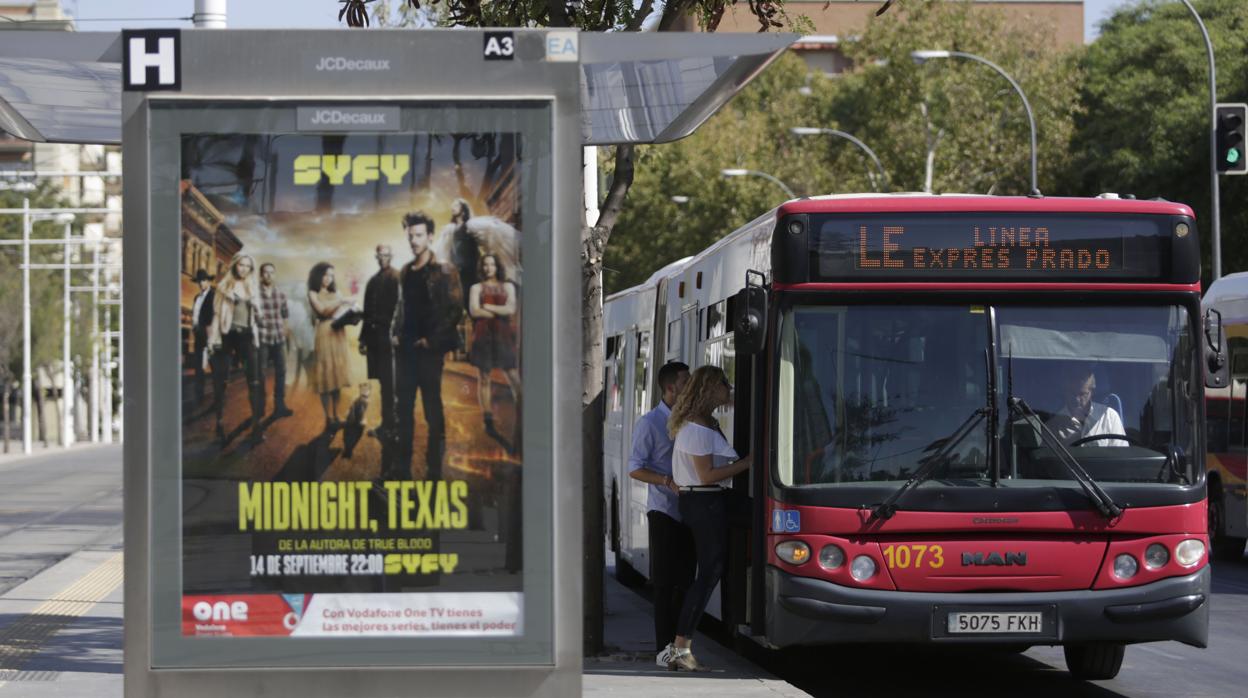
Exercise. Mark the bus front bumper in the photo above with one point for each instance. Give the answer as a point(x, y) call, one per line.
point(804, 611)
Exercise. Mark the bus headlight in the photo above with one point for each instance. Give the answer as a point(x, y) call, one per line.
point(1156, 556)
point(1189, 552)
point(831, 557)
point(863, 568)
point(793, 552)
point(1125, 566)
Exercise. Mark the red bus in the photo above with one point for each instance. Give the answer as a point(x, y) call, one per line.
point(974, 420)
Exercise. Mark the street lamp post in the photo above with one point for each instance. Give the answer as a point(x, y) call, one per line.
point(29, 216)
point(922, 56)
point(67, 378)
point(734, 172)
point(27, 445)
point(1213, 144)
point(812, 131)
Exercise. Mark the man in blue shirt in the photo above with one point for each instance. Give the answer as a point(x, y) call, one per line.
point(672, 556)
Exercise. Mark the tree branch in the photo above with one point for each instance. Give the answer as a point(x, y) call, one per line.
point(634, 24)
point(672, 11)
point(558, 14)
point(613, 204)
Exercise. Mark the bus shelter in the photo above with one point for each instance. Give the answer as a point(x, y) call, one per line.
point(352, 283)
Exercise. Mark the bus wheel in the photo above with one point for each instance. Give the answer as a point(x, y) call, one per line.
point(1095, 661)
point(1225, 548)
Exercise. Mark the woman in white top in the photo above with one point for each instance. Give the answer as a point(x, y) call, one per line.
point(703, 464)
point(235, 332)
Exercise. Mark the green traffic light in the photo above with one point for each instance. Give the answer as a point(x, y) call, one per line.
point(1232, 156)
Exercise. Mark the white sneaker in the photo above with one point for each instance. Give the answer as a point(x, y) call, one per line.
point(665, 657)
point(683, 660)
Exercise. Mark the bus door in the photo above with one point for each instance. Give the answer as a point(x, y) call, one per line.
point(637, 529)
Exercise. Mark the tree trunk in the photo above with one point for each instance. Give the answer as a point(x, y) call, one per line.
point(5, 392)
point(593, 243)
point(39, 414)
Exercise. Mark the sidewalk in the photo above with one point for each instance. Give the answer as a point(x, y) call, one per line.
point(628, 668)
point(61, 632)
point(38, 449)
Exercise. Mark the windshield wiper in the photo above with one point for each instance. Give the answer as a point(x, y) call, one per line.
point(1104, 503)
point(886, 509)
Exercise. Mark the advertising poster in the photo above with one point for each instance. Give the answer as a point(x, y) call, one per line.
point(351, 397)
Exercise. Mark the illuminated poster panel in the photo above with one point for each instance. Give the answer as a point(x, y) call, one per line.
point(351, 400)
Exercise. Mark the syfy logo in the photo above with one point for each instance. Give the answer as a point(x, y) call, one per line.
point(339, 63)
point(220, 611)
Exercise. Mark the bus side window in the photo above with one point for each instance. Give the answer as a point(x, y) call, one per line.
point(1237, 407)
point(615, 376)
point(721, 352)
point(673, 340)
point(715, 320)
point(641, 375)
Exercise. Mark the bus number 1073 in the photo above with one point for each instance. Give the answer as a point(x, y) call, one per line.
point(900, 557)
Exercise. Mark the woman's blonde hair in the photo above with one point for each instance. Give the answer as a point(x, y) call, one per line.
point(697, 399)
point(227, 284)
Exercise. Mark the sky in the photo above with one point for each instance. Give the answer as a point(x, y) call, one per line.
point(256, 14)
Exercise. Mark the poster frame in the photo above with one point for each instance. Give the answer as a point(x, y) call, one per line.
point(551, 670)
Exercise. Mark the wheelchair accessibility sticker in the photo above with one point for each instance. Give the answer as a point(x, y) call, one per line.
point(785, 521)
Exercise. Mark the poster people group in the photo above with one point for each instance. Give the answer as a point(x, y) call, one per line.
point(351, 397)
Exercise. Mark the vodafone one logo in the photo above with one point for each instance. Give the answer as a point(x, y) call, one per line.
point(220, 611)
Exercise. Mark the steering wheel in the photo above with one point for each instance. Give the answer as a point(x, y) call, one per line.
point(1098, 437)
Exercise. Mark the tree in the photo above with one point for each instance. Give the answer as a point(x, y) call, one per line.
point(1144, 128)
point(947, 126)
point(603, 15)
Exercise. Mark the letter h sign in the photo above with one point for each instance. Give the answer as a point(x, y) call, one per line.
point(151, 59)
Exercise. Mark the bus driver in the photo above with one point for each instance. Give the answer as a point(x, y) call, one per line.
point(1080, 417)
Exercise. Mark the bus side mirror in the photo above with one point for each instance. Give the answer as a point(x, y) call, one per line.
point(1217, 373)
point(751, 321)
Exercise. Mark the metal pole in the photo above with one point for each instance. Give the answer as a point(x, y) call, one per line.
point(95, 345)
point(66, 375)
point(736, 172)
point(108, 375)
point(121, 363)
point(780, 184)
point(802, 131)
point(921, 56)
point(1031, 118)
point(27, 446)
point(209, 14)
point(1213, 144)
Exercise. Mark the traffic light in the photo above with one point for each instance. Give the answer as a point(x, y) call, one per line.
point(1232, 120)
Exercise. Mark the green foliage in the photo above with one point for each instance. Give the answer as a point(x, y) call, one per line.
point(962, 112)
point(592, 15)
point(1145, 128)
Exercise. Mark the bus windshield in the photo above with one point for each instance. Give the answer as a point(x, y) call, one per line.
point(868, 393)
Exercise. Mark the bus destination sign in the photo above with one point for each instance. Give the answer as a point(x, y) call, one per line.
point(985, 247)
point(1001, 245)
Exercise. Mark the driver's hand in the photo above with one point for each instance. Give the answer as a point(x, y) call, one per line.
point(1066, 427)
